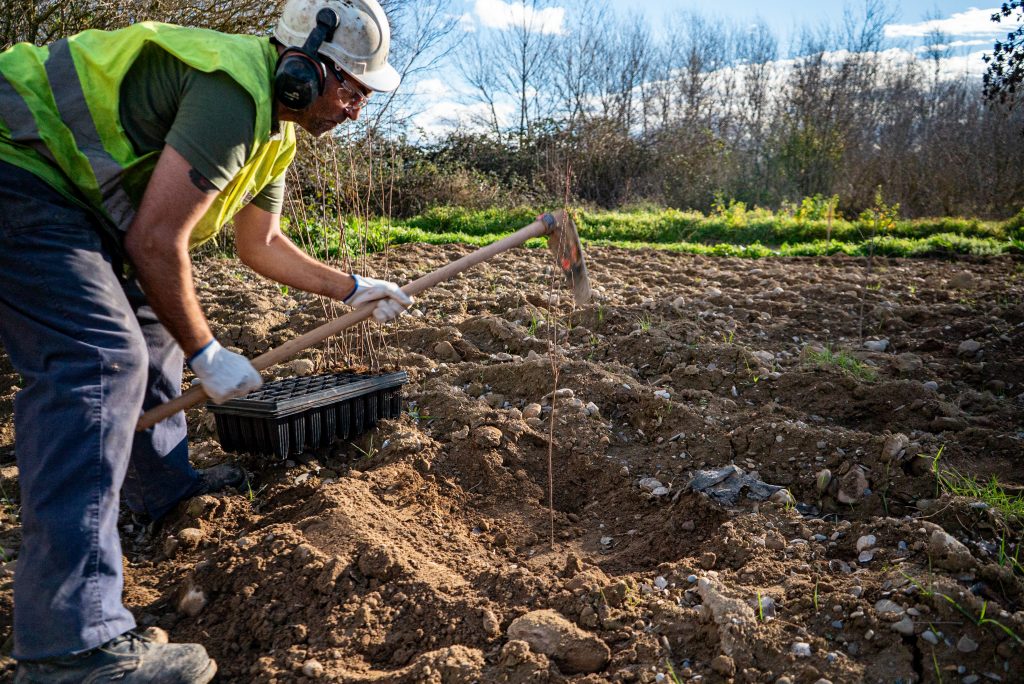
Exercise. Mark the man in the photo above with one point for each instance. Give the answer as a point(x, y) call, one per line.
point(118, 152)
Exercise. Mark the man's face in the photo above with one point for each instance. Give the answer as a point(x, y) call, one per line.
point(342, 100)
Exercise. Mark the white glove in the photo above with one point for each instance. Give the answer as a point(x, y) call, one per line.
point(224, 374)
point(391, 301)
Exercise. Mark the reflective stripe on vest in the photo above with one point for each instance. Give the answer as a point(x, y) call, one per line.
point(19, 120)
point(74, 112)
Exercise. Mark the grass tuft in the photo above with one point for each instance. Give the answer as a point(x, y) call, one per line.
point(990, 491)
point(843, 361)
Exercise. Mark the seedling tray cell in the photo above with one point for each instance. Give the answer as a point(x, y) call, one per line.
point(286, 417)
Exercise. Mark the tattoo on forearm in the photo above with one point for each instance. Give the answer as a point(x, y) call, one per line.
point(201, 181)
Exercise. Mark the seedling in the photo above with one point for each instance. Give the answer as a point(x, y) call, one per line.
point(673, 677)
point(845, 362)
point(644, 322)
point(980, 621)
point(816, 596)
point(885, 492)
point(7, 506)
point(250, 494)
point(415, 411)
point(283, 289)
point(760, 606)
point(1005, 559)
point(535, 323)
point(991, 492)
point(753, 376)
point(369, 452)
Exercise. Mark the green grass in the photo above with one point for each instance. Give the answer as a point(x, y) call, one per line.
point(990, 491)
point(843, 361)
point(981, 620)
point(755, 234)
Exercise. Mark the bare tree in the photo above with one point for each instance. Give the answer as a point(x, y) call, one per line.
point(425, 36)
point(513, 64)
point(478, 64)
point(577, 58)
point(43, 21)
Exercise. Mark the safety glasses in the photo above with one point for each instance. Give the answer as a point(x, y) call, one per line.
point(355, 97)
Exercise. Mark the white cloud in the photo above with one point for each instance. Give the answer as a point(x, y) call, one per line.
point(431, 89)
point(504, 15)
point(444, 117)
point(964, 65)
point(467, 23)
point(971, 22)
point(955, 44)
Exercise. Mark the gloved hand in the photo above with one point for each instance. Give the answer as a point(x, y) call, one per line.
point(390, 299)
point(224, 374)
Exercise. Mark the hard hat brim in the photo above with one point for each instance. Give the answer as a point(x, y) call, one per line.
point(382, 80)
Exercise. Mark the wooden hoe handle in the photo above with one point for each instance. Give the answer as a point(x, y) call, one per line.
point(195, 394)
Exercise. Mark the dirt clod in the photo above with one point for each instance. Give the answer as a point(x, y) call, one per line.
point(548, 632)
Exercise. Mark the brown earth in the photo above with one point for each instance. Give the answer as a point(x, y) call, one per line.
point(420, 552)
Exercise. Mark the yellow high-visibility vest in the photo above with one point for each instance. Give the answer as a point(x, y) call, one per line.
point(60, 117)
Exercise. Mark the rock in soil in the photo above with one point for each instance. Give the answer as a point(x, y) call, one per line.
point(548, 632)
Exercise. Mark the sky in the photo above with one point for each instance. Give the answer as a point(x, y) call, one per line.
point(786, 16)
point(967, 27)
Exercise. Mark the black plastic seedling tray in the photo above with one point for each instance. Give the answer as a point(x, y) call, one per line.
point(287, 417)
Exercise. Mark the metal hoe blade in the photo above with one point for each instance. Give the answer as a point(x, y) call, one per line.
point(564, 243)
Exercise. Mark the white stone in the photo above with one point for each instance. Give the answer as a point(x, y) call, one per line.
point(904, 626)
point(302, 367)
point(650, 484)
point(889, 608)
point(966, 644)
point(312, 668)
point(969, 348)
point(868, 541)
point(192, 602)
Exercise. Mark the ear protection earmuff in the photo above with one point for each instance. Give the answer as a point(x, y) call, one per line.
point(300, 77)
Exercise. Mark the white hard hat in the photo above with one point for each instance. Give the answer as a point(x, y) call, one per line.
point(360, 44)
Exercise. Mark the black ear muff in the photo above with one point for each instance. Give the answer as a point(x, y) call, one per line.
point(300, 77)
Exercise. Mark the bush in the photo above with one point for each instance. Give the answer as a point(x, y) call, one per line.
point(1014, 228)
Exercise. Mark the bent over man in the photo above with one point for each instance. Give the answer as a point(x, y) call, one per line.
point(120, 151)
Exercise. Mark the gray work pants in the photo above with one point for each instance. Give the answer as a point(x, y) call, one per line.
point(92, 357)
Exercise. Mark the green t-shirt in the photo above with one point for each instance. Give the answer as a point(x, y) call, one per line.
point(208, 118)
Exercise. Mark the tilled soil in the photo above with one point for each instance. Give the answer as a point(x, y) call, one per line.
point(421, 551)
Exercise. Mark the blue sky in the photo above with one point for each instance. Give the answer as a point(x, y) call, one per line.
point(784, 16)
point(966, 28)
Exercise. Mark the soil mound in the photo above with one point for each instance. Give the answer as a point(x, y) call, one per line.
point(743, 461)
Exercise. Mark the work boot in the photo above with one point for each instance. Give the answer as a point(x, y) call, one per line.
point(128, 659)
point(218, 478)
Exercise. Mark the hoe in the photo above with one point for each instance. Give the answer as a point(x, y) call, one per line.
point(563, 240)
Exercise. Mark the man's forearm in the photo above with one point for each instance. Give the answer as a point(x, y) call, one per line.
point(166, 277)
point(265, 249)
